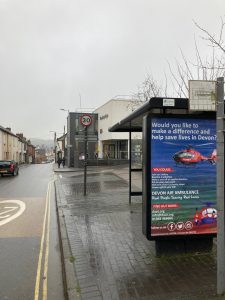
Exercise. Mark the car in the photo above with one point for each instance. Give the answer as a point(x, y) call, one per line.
point(9, 167)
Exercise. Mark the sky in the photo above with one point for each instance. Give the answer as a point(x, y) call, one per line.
point(80, 54)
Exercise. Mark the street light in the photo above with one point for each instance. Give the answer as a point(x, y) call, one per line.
point(55, 144)
point(64, 109)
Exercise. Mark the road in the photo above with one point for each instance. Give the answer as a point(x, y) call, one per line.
point(30, 252)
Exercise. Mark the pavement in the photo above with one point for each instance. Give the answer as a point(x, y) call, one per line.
point(104, 253)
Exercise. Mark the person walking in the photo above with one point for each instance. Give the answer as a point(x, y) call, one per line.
point(63, 162)
point(59, 162)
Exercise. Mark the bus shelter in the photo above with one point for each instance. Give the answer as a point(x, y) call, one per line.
point(178, 171)
point(134, 123)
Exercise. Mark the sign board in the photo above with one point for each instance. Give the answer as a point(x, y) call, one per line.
point(168, 102)
point(202, 95)
point(180, 196)
point(90, 138)
point(86, 120)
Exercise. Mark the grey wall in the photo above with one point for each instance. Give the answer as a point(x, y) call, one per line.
point(75, 138)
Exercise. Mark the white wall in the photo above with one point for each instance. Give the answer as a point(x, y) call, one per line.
point(109, 114)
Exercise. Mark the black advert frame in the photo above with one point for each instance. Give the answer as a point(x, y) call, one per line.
point(179, 193)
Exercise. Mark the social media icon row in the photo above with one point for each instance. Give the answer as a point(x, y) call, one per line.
point(180, 226)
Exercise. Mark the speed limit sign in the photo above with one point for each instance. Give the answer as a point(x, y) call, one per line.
point(86, 120)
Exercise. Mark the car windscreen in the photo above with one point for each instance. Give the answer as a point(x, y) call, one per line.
point(5, 163)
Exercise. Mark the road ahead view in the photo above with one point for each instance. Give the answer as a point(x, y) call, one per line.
point(30, 252)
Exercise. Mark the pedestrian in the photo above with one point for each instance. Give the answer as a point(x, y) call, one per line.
point(59, 162)
point(63, 162)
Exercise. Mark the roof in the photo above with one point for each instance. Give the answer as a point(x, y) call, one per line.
point(7, 131)
point(133, 122)
point(62, 138)
point(116, 99)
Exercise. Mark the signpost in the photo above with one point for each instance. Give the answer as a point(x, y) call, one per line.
point(85, 120)
point(202, 95)
point(209, 96)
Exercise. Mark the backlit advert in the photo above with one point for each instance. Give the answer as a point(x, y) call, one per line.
point(183, 176)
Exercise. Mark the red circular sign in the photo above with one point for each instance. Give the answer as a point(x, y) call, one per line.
point(86, 120)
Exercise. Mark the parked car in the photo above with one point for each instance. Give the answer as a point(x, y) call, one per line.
point(9, 167)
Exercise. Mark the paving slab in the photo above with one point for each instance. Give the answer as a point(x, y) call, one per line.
point(112, 259)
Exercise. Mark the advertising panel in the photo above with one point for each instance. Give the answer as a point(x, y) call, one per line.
point(183, 176)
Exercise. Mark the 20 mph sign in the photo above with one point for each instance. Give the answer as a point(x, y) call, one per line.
point(86, 120)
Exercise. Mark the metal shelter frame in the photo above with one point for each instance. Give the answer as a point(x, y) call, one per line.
point(134, 123)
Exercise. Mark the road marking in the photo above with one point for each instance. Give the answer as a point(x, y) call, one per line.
point(45, 285)
point(6, 211)
point(9, 217)
point(44, 248)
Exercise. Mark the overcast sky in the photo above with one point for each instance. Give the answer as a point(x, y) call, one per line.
point(62, 53)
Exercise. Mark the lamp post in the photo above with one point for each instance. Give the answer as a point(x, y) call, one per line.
point(63, 109)
point(55, 145)
point(64, 132)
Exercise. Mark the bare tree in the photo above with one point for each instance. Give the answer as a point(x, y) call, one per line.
point(202, 68)
point(214, 40)
point(148, 88)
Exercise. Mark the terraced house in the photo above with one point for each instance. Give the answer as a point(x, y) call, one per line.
point(15, 147)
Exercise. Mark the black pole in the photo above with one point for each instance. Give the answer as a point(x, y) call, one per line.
point(55, 145)
point(130, 165)
point(220, 188)
point(85, 160)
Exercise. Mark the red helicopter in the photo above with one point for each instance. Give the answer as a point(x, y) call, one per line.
point(190, 156)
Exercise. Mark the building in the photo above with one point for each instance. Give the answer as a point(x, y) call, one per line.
point(23, 148)
point(15, 147)
point(61, 147)
point(101, 144)
point(30, 159)
point(114, 145)
point(10, 145)
point(76, 135)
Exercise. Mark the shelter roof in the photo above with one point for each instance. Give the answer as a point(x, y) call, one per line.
point(133, 122)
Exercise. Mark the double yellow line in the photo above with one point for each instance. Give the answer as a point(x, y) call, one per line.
point(42, 270)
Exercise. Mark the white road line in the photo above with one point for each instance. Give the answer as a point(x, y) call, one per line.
point(6, 211)
point(8, 218)
point(38, 276)
point(44, 248)
point(45, 284)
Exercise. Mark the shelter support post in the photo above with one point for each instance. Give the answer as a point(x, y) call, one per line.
point(220, 188)
point(132, 193)
point(130, 165)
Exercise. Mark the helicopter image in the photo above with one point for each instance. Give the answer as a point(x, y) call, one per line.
point(207, 215)
point(190, 156)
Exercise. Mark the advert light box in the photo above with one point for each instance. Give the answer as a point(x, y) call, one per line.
point(180, 176)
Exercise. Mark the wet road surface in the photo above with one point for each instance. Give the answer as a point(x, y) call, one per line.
point(25, 200)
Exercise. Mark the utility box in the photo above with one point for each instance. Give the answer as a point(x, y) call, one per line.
point(179, 176)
